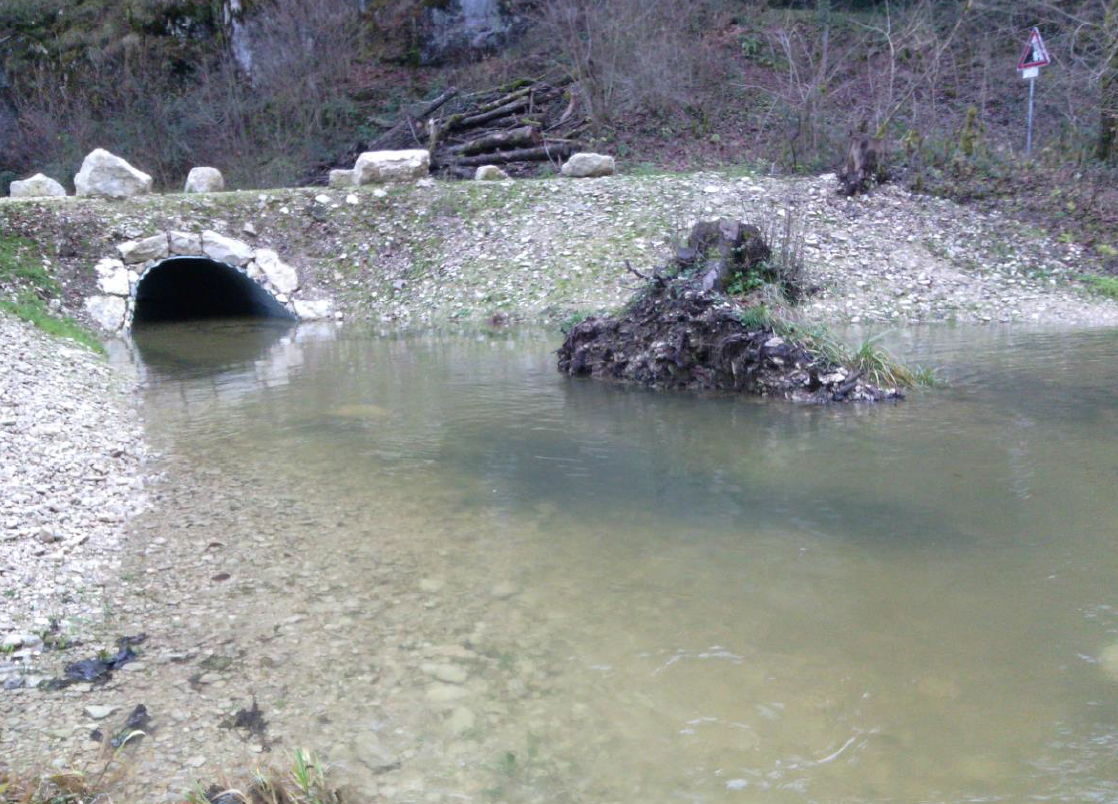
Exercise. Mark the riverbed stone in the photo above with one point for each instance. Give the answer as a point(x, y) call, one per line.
point(1108, 661)
point(282, 276)
point(107, 311)
point(226, 249)
point(12, 642)
point(38, 186)
point(504, 589)
point(96, 712)
point(379, 167)
point(105, 175)
point(446, 672)
point(441, 693)
point(461, 720)
point(588, 165)
point(150, 248)
point(204, 180)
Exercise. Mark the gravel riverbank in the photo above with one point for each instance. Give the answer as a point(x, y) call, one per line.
point(71, 450)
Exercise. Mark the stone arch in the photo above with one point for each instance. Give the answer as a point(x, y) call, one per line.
point(120, 279)
point(189, 288)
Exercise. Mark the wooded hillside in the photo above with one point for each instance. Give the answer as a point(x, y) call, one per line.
point(270, 90)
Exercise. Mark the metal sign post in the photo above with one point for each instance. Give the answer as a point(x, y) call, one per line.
point(1034, 57)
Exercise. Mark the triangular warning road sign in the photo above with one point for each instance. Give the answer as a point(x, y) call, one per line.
point(1036, 54)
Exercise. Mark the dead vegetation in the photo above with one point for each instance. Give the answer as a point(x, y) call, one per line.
point(304, 780)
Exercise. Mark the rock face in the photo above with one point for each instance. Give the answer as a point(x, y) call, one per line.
point(462, 27)
point(378, 167)
point(113, 278)
point(204, 180)
point(588, 165)
point(314, 310)
point(341, 178)
point(184, 243)
point(150, 248)
point(226, 249)
point(281, 275)
point(38, 186)
point(489, 173)
point(107, 311)
point(104, 175)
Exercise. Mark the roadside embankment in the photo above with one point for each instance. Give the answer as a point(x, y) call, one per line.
point(431, 252)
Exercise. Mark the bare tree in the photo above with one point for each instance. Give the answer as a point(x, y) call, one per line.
point(1107, 147)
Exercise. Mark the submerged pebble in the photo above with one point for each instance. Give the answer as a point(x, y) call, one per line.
point(1108, 661)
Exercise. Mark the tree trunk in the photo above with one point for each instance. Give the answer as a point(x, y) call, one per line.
point(542, 153)
point(515, 138)
point(1108, 100)
point(407, 133)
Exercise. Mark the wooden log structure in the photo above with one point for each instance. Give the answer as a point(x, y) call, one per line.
point(517, 126)
point(499, 140)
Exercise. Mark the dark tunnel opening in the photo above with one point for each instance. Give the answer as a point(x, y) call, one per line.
point(192, 288)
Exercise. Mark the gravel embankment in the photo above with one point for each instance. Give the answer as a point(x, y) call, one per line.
point(70, 453)
point(423, 254)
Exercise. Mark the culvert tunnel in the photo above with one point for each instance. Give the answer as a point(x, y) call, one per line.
point(193, 288)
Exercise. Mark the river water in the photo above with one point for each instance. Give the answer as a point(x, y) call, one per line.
point(459, 576)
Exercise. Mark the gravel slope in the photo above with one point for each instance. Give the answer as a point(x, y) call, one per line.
point(70, 474)
point(431, 252)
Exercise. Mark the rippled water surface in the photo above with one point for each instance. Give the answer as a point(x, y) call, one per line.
point(464, 577)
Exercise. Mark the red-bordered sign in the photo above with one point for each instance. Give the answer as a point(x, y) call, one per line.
point(1036, 54)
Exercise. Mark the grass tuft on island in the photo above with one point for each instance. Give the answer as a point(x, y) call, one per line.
point(870, 358)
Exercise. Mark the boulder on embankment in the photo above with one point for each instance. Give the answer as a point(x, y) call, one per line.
point(104, 175)
point(204, 180)
point(38, 186)
point(150, 248)
point(585, 165)
point(379, 167)
point(340, 178)
point(490, 173)
point(684, 330)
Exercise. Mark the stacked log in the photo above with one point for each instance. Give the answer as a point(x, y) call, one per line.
point(519, 127)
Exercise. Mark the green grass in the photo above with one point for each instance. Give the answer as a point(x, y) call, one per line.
point(30, 308)
point(18, 266)
point(23, 275)
point(304, 782)
point(756, 317)
point(876, 364)
point(1106, 286)
point(882, 369)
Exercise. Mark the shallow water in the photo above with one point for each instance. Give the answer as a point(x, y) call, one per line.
point(650, 597)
